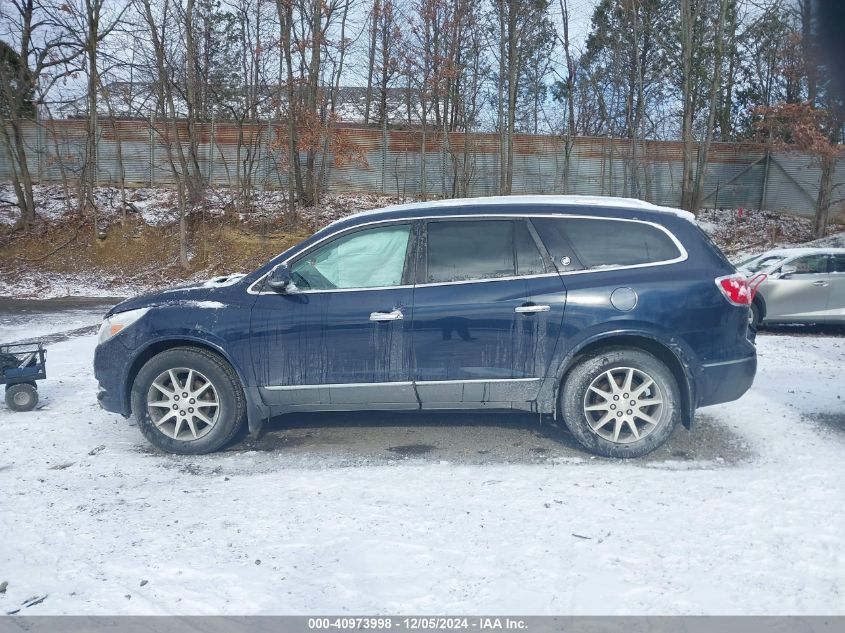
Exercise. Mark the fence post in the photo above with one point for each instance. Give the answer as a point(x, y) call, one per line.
point(267, 155)
point(38, 149)
point(152, 150)
point(764, 192)
point(384, 153)
point(211, 145)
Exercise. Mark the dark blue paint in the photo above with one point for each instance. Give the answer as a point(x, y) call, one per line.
point(466, 331)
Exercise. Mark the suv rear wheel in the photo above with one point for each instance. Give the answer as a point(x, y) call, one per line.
point(188, 401)
point(754, 319)
point(620, 402)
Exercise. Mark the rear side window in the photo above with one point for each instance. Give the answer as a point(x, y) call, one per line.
point(459, 251)
point(602, 243)
point(838, 264)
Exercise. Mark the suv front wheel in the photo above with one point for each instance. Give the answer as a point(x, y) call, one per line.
point(620, 402)
point(188, 401)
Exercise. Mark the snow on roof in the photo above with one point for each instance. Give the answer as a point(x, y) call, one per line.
point(801, 250)
point(569, 200)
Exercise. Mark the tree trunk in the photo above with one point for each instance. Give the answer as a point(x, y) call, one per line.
point(513, 77)
point(725, 121)
point(21, 176)
point(372, 59)
point(119, 153)
point(295, 185)
point(808, 39)
point(823, 199)
point(172, 140)
point(715, 89)
point(89, 171)
point(570, 95)
point(687, 26)
point(196, 185)
point(500, 88)
point(333, 97)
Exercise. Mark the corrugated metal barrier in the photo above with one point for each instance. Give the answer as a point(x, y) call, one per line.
point(738, 175)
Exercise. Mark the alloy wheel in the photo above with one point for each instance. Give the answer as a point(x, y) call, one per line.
point(623, 405)
point(183, 404)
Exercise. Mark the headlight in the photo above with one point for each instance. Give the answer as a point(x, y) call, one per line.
point(116, 323)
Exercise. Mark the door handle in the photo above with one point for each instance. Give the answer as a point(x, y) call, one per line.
point(531, 309)
point(393, 315)
point(820, 282)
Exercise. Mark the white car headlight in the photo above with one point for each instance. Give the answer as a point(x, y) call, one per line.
point(116, 323)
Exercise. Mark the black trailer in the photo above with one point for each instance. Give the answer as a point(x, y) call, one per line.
point(21, 364)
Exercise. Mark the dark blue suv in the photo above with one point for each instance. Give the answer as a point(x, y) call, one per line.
point(615, 316)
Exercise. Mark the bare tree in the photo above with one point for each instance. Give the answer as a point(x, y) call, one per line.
point(817, 132)
point(713, 101)
point(44, 54)
point(371, 65)
point(294, 176)
point(90, 22)
point(521, 25)
point(160, 21)
point(568, 89)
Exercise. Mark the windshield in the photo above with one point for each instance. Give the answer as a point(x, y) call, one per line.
point(764, 262)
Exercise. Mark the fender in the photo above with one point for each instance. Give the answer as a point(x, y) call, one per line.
point(257, 411)
point(652, 340)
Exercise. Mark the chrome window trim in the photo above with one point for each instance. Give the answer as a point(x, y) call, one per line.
point(684, 255)
point(400, 383)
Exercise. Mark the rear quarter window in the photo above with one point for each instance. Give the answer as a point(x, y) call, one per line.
point(598, 243)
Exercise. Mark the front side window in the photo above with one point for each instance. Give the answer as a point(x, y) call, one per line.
point(365, 259)
point(812, 264)
point(599, 243)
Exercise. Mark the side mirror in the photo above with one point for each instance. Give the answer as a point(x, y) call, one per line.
point(787, 270)
point(279, 279)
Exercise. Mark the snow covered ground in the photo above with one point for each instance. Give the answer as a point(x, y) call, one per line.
point(158, 206)
point(747, 519)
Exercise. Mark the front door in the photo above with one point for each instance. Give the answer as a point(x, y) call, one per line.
point(486, 314)
point(341, 337)
point(801, 295)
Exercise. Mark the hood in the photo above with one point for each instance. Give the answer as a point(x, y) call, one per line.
point(205, 291)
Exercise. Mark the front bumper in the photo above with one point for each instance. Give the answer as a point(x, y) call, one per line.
point(111, 365)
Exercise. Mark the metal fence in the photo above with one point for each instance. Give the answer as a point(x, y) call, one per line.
point(738, 175)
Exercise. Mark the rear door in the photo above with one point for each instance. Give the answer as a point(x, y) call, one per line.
point(487, 313)
point(836, 296)
point(801, 296)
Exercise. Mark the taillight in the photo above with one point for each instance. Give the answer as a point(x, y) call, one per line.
point(736, 289)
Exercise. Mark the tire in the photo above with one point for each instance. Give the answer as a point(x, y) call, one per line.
point(21, 397)
point(754, 320)
point(630, 367)
point(202, 422)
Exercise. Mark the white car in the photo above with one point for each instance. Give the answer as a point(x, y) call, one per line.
point(799, 285)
